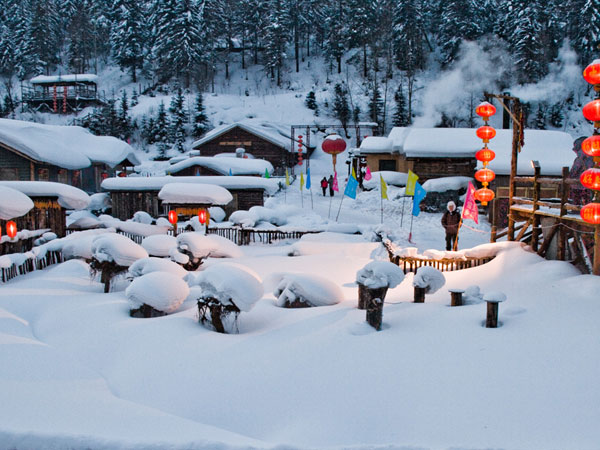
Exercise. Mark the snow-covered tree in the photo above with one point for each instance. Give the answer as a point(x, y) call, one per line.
point(201, 123)
point(375, 104)
point(179, 118)
point(400, 117)
point(584, 28)
point(161, 130)
point(128, 36)
point(341, 110)
point(408, 35)
point(456, 24)
point(311, 102)
point(275, 41)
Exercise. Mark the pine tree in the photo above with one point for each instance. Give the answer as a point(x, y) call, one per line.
point(359, 28)
point(375, 105)
point(335, 15)
point(200, 118)
point(341, 110)
point(134, 98)
point(526, 44)
point(275, 41)
point(456, 25)
point(311, 102)
point(179, 118)
point(400, 118)
point(408, 37)
point(584, 28)
point(79, 36)
point(123, 119)
point(356, 114)
point(128, 36)
point(540, 118)
point(43, 26)
point(556, 115)
point(161, 130)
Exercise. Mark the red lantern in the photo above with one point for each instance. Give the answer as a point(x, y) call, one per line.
point(590, 213)
point(591, 178)
point(333, 144)
point(485, 110)
point(485, 155)
point(172, 217)
point(485, 175)
point(591, 145)
point(11, 229)
point(592, 72)
point(484, 195)
point(591, 111)
point(486, 133)
point(202, 216)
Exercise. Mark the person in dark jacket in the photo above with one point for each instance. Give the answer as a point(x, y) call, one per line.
point(330, 183)
point(324, 185)
point(450, 221)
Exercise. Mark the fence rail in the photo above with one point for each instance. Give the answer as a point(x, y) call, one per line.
point(246, 236)
point(30, 265)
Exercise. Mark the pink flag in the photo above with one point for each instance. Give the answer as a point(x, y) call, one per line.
point(335, 183)
point(470, 207)
point(368, 175)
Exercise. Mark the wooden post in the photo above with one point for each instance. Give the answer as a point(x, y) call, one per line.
point(491, 320)
point(516, 148)
point(419, 295)
point(456, 297)
point(375, 313)
point(365, 295)
point(535, 235)
point(596, 267)
point(564, 197)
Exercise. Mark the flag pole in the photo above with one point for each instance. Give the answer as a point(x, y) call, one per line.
point(402, 213)
point(340, 208)
point(381, 198)
point(312, 205)
point(410, 232)
point(455, 246)
point(330, 202)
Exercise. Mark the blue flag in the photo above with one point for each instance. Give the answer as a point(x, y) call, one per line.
point(351, 186)
point(308, 178)
point(230, 174)
point(420, 194)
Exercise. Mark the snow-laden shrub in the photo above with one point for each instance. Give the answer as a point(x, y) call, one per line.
point(227, 289)
point(379, 274)
point(217, 214)
point(472, 294)
point(148, 265)
point(163, 222)
point(117, 248)
point(161, 291)
point(429, 278)
point(99, 202)
point(142, 217)
point(177, 257)
point(199, 247)
point(159, 244)
point(304, 290)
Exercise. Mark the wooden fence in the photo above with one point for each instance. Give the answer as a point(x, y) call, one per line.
point(246, 236)
point(8, 273)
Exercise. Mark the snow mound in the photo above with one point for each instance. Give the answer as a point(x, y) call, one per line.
point(494, 297)
point(120, 249)
point(217, 214)
point(142, 217)
point(314, 289)
point(379, 274)
point(230, 284)
point(201, 246)
point(429, 278)
point(159, 244)
point(13, 203)
point(99, 202)
point(390, 178)
point(199, 194)
point(472, 294)
point(447, 184)
point(161, 290)
point(148, 265)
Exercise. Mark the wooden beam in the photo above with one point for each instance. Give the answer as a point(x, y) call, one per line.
point(548, 240)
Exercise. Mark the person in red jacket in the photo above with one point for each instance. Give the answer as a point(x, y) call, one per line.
point(324, 185)
point(450, 221)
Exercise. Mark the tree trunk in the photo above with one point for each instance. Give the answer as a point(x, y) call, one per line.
point(365, 295)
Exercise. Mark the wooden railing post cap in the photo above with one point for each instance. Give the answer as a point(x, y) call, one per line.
point(457, 291)
point(494, 297)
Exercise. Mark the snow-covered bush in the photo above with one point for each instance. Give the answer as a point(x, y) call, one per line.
point(112, 254)
point(156, 294)
point(472, 294)
point(142, 217)
point(197, 247)
point(159, 244)
point(99, 203)
point(379, 274)
point(148, 265)
point(429, 278)
point(227, 289)
point(296, 290)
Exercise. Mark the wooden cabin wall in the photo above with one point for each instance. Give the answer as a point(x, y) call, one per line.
point(427, 168)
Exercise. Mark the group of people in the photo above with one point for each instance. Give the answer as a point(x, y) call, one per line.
point(327, 183)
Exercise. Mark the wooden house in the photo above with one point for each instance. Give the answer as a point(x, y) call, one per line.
point(62, 94)
point(259, 139)
point(63, 154)
point(50, 203)
point(132, 194)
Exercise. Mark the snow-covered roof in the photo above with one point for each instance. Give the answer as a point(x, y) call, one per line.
point(237, 166)
point(47, 79)
point(184, 193)
point(69, 147)
point(553, 149)
point(156, 183)
point(376, 144)
point(69, 197)
point(276, 134)
point(13, 203)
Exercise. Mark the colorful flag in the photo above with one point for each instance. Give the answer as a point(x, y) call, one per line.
point(287, 178)
point(368, 175)
point(230, 174)
point(420, 194)
point(267, 173)
point(351, 186)
point(301, 180)
point(336, 187)
point(383, 187)
point(410, 183)
point(470, 207)
point(308, 178)
point(353, 173)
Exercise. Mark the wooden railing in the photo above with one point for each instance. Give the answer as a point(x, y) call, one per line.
point(8, 273)
point(246, 236)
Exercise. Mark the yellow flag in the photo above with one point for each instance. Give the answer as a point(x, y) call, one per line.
point(353, 173)
point(301, 180)
point(411, 182)
point(383, 188)
point(287, 178)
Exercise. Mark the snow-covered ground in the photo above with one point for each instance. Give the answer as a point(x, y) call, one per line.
point(77, 372)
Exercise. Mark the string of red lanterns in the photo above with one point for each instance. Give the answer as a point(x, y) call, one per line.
point(590, 213)
point(485, 110)
point(300, 150)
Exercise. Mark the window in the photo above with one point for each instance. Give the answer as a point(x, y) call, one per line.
point(43, 174)
point(62, 176)
point(387, 164)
